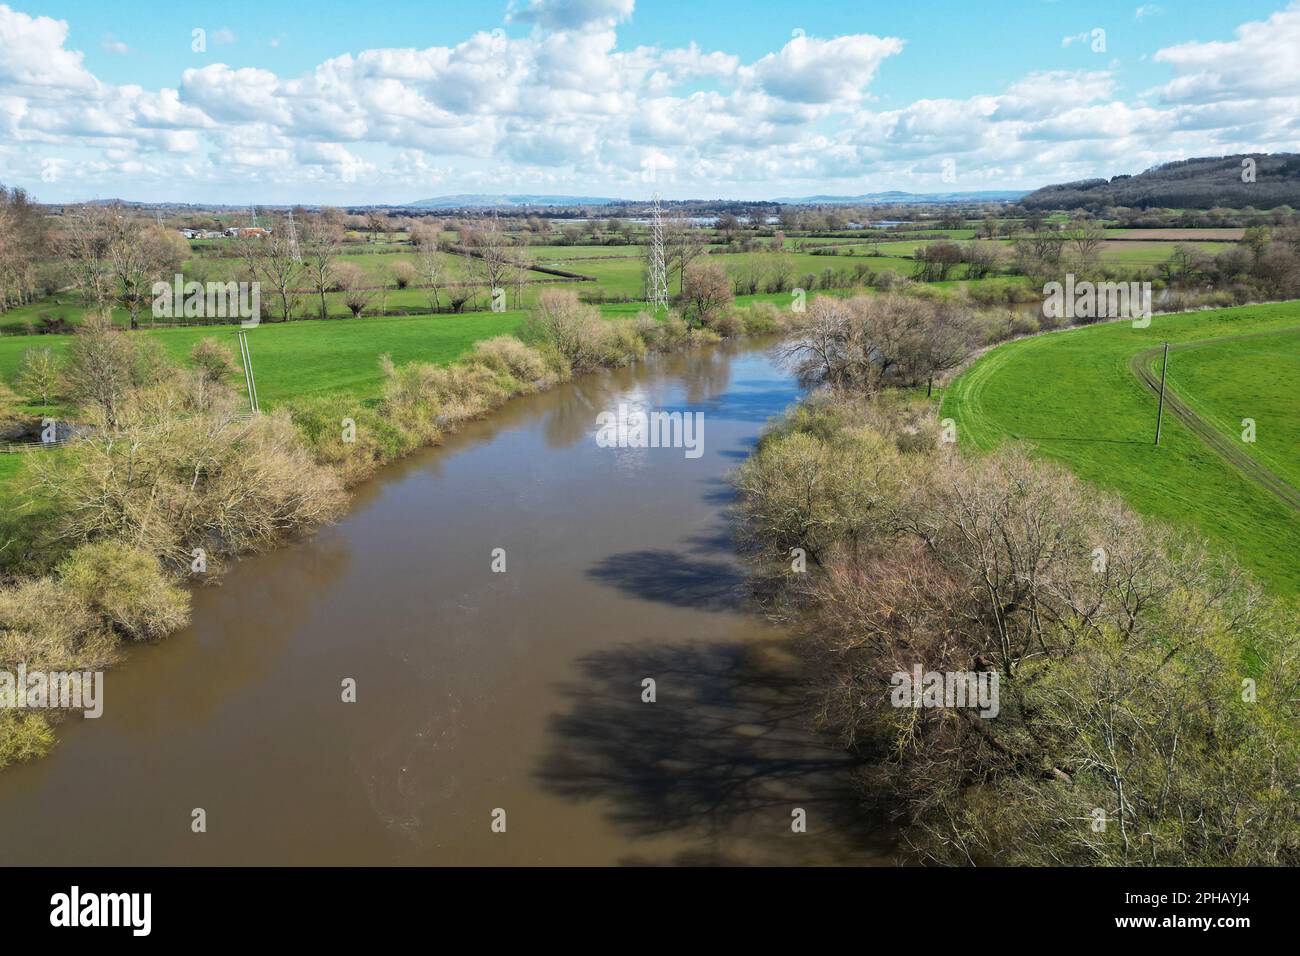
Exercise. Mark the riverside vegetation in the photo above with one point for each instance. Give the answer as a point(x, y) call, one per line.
point(168, 479)
point(1149, 688)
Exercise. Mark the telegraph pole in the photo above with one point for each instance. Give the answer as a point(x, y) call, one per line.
point(1160, 409)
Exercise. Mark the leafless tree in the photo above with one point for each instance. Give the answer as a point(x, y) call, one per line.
point(276, 261)
point(683, 244)
point(430, 262)
point(355, 286)
point(1086, 238)
point(489, 255)
point(707, 291)
point(23, 240)
point(83, 246)
point(321, 239)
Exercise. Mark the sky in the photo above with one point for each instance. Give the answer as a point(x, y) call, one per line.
point(343, 103)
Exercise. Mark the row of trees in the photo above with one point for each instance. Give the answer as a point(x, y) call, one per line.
point(1147, 698)
point(24, 242)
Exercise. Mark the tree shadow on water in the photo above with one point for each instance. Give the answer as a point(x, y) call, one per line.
point(668, 577)
point(719, 761)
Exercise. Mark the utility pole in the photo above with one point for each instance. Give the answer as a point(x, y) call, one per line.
point(246, 354)
point(1160, 409)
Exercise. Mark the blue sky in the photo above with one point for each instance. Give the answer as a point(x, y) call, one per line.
point(336, 102)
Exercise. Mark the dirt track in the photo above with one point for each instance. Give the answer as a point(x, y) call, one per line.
point(1224, 446)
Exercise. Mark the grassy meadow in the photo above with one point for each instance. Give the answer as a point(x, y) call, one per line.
point(1071, 397)
point(1256, 378)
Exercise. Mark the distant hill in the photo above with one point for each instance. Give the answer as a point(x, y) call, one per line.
point(1188, 184)
point(896, 198)
point(488, 201)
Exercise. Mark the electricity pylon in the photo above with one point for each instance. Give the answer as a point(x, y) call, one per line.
point(657, 281)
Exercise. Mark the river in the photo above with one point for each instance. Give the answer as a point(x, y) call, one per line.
point(476, 691)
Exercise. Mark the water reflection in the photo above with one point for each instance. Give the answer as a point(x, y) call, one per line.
point(724, 754)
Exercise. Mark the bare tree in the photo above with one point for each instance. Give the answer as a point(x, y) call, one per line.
point(683, 244)
point(430, 262)
point(981, 259)
point(355, 286)
point(1086, 238)
point(707, 291)
point(83, 247)
point(936, 261)
point(940, 344)
point(104, 364)
point(139, 254)
point(489, 256)
point(22, 244)
point(320, 248)
point(276, 261)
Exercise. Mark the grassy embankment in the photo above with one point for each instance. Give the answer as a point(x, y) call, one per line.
point(1072, 397)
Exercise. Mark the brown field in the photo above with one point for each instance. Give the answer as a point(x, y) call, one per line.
point(1175, 235)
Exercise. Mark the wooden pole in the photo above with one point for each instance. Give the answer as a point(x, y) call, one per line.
point(1160, 409)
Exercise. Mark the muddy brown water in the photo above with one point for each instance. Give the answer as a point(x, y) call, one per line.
point(476, 691)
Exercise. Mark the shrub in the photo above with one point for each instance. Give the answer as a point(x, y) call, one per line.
point(126, 587)
point(404, 274)
point(621, 344)
point(575, 330)
point(506, 355)
point(214, 361)
point(649, 330)
point(675, 332)
point(379, 437)
point(38, 375)
point(726, 323)
point(168, 484)
point(51, 629)
point(762, 318)
point(24, 735)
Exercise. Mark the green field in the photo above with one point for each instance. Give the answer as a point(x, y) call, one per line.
point(1072, 397)
point(312, 357)
point(304, 358)
point(1256, 378)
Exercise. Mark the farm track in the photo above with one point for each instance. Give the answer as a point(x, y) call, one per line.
point(1140, 365)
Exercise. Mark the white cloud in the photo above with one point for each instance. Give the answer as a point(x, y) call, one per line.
point(1263, 61)
point(809, 70)
point(572, 14)
point(32, 55)
point(113, 45)
point(565, 106)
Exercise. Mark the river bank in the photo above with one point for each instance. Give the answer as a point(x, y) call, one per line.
point(477, 691)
